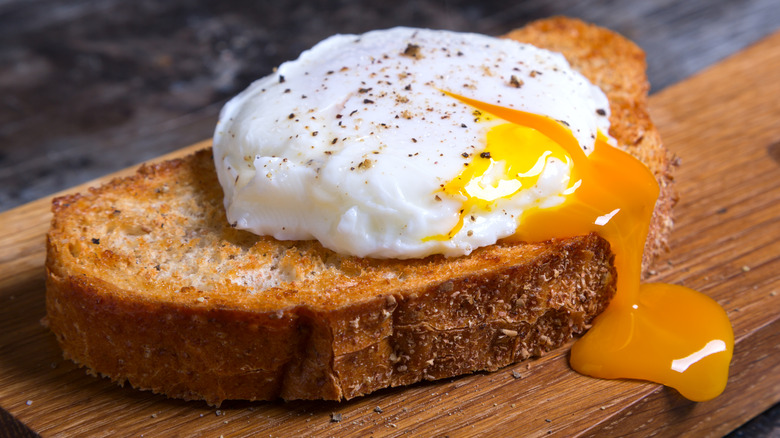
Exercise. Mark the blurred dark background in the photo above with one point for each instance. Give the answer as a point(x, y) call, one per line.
point(90, 87)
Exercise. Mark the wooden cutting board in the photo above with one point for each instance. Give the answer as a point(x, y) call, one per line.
point(723, 124)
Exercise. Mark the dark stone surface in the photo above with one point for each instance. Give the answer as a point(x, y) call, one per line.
point(90, 87)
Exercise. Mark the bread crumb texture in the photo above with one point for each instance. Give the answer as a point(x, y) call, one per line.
point(148, 284)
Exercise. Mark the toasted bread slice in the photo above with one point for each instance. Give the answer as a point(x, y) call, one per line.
point(148, 284)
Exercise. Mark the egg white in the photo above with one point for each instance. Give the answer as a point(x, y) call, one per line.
point(351, 143)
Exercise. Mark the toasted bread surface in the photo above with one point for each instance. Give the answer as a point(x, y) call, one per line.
point(147, 283)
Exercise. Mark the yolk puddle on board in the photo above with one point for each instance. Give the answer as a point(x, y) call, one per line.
point(664, 333)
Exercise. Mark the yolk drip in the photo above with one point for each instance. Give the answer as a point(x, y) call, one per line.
point(659, 332)
point(502, 169)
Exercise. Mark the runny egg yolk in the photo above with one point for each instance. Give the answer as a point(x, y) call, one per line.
point(487, 178)
point(663, 333)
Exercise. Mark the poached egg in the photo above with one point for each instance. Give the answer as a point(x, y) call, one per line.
point(363, 144)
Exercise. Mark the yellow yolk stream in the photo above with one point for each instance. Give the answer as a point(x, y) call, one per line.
point(663, 333)
point(485, 181)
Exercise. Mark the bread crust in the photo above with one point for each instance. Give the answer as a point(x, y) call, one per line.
point(148, 284)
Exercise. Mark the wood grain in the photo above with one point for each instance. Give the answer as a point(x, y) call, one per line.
point(722, 124)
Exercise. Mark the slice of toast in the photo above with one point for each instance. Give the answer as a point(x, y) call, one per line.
point(148, 284)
